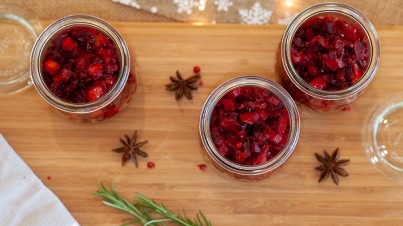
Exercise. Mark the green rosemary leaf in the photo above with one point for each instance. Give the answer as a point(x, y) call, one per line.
point(147, 213)
point(198, 219)
point(208, 223)
point(131, 221)
point(157, 221)
point(144, 209)
point(114, 206)
point(115, 200)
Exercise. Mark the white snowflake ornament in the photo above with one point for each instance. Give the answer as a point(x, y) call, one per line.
point(186, 5)
point(223, 5)
point(255, 15)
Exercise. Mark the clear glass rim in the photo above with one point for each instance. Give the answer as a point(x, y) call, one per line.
point(47, 35)
point(218, 93)
point(28, 20)
point(345, 11)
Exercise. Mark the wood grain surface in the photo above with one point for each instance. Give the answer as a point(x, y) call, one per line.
point(78, 156)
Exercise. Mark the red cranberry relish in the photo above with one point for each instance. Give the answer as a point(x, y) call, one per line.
point(249, 125)
point(329, 53)
point(81, 65)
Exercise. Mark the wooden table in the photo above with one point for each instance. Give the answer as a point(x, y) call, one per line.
point(78, 156)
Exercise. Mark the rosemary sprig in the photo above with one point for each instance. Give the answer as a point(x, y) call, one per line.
point(145, 209)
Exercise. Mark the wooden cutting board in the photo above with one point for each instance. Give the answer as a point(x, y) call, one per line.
point(78, 156)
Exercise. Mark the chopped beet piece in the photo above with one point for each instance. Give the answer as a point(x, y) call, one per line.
point(249, 117)
point(96, 91)
point(326, 47)
point(318, 82)
point(262, 156)
point(65, 75)
point(274, 101)
point(357, 73)
point(240, 156)
point(249, 125)
point(229, 104)
point(282, 123)
point(95, 71)
point(81, 64)
point(275, 137)
point(101, 40)
point(231, 124)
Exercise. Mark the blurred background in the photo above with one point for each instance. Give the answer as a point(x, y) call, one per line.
point(205, 11)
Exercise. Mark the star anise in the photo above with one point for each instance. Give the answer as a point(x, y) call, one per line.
point(130, 149)
point(183, 86)
point(331, 166)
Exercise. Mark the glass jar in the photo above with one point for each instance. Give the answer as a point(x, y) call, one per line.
point(249, 172)
point(316, 98)
point(103, 106)
point(382, 136)
point(19, 28)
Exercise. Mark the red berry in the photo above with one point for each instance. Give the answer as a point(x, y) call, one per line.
point(202, 167)
point(68, 44)
point(151, 165)
point(196, 69)
point(52, 67)
point(49, 177)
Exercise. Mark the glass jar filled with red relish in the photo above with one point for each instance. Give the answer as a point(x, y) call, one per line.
point(328, 54)
point(81, 66)
point(249, 127)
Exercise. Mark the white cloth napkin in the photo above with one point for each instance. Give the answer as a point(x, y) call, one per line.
point(24, 199)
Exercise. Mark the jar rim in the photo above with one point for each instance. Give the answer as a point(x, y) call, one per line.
point(348, 12)
point(47, 36)
point(278, 91)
